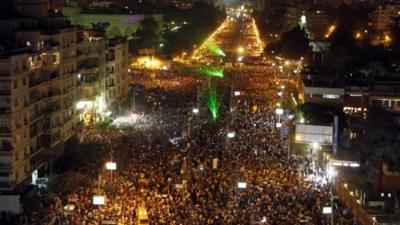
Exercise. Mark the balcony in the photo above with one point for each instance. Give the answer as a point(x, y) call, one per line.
point(35, 116)
point(37, 161)
point(54, 93)
point(37, 149)
point(35, 82)
point(53, 76)
point(52, 109)
point(35, 131)
point(35, 97)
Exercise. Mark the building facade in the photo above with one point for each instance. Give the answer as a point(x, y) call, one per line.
point(383, 16)
point(46, 70)
point(38, 91)
point(102, 75)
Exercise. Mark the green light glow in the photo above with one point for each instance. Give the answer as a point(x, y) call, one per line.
point(214, 72)
point(215, 49)
point(212, 102)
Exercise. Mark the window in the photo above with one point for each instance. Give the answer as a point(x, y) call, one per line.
point(24, 82)
point(15, 84)
point(331, 96)
point(15, 102)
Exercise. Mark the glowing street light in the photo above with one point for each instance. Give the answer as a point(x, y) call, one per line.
point(231, 134)
point(237, 93)
point(331, 172)
point(240, 50)
point(242, 185)
point(98, 200)
point(111, 166)
point(315, 145)
point(195, 110)
point(279, 111)
point(278, 125)
point(280, 94)
point(327, 210)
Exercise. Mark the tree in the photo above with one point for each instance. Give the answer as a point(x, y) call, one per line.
point(374, 68)
point(343, 36)
point(100, 27)
point(147, 34)
point(294, 43)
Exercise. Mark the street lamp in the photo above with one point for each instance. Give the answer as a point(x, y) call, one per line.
point(280, 94)
point(278, 125)
point(240, 50)
point(279, 111)
point(315, 145)
point(98, 200)
point(237, 93)
point(195, 110)
point(231, 134)
point(111, 166)
point(242, 185)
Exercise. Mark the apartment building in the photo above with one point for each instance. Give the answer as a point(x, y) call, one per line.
point(383, 16)
point(291, 17)
point(316, 22)
point(322, 92)
point(102, 75)
point(37, 82)
point(116, 76)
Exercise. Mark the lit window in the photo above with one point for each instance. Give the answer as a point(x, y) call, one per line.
point(330, 96)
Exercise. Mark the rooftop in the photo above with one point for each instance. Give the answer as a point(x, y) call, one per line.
point(317, 83)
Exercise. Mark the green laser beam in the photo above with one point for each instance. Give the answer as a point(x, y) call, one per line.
point(214, 48)
point(212, 102)
point(215, 72)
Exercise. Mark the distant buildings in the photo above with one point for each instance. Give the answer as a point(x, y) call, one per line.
point(353, 96)
point(45, 73)
point(321, 91)
point(383, 16)
point(38, 85)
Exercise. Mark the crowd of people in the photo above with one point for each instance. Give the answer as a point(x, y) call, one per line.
point(191, 177)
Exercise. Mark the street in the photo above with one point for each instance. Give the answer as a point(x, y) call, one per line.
point(202, 150)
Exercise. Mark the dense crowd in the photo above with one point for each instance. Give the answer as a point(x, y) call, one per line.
point(193, 180)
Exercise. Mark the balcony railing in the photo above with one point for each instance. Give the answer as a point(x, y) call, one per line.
point(36, 116)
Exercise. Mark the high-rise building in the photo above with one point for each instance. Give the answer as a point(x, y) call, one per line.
point(37, 81)
point(45, 68)
point(102, 75)
point(383, 16)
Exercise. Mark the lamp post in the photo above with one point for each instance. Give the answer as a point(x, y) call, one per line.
point(111, 166)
